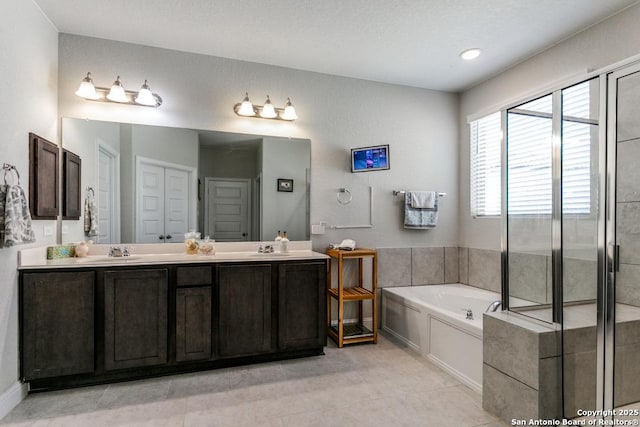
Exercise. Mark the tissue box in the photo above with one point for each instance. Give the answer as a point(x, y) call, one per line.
point(61, 251)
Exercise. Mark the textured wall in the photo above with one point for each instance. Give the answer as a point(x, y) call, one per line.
point(29, 70)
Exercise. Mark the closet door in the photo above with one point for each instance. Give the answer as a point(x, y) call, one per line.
point(162, 204)
point(176, 204)
point(150, 204)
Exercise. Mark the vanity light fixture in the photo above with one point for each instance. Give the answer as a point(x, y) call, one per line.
point(266, 111)
point(87, 90)
point(117, 93)
point(470, 54)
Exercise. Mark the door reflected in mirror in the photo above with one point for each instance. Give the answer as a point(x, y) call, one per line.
point(152, 184)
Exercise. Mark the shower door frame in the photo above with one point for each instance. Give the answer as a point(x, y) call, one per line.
point(606, 248)
point(606, 334)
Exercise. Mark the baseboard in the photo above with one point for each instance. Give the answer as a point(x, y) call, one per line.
point(11, 398)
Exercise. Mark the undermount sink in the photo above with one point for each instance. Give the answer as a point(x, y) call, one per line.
point(270, 254)
point(108, 259)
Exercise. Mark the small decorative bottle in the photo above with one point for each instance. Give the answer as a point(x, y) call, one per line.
point(284, 244)
point(82, 249)
point(279, 236)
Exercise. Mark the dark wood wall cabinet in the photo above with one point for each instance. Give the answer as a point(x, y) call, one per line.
point(85, 326)
point(43, 178)
point(71, 192)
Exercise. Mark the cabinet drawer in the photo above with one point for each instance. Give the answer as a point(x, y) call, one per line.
point(190, 276)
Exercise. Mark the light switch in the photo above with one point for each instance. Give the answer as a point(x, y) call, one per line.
point(317, 229)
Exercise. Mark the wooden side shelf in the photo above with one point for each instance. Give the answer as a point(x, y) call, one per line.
point(347, 333)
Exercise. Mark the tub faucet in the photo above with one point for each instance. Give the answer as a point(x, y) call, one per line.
point(493, 306)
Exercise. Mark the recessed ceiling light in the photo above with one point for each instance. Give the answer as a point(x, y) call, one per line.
point(470, 54)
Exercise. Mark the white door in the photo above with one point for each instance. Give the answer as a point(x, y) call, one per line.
point(106, 193)
point(150, 223)
point(227, 209)
point(176, 204)
point(163, 204)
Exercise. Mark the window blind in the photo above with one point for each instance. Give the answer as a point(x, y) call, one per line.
point(485, 166)
point(529, 175)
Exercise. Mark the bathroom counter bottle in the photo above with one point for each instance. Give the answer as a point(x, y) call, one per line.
point(284, 244)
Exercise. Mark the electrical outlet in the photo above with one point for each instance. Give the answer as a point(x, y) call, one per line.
point(47, 230)
point(317, 229)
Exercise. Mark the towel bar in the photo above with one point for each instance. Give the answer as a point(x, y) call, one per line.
point(397, 192)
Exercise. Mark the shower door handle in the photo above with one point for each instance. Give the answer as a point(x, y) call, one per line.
point(616, 258)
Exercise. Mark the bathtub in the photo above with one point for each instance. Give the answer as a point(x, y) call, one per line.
point(431, 319)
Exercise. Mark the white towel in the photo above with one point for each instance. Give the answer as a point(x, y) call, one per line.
point(423, 199)
point(15, 218)
point(90, 216)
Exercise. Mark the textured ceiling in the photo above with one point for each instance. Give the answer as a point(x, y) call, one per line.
point(407, 42)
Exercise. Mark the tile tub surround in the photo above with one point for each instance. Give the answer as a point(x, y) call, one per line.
point(394, 386)
point(417, 266)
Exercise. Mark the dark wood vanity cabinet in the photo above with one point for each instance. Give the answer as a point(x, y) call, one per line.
point(83, 326)
point(57, 318)
point(193, 313)
point(135, 318)
point(302, 302)
point(244, 310)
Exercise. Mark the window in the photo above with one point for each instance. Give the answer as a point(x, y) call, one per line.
point(529, 134)
point(485, 166)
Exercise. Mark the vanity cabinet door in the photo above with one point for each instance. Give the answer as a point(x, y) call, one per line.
point(302, 301)
point(244, 310)
point(193, 323)
point(135, 315)
point(57, 313)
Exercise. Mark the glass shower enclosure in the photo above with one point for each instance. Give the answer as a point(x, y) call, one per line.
point(571, 232)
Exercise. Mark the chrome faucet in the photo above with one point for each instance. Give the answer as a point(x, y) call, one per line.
point(493, 306)
point(117, 251)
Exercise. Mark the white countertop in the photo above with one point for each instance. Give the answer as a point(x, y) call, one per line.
point(168, 253)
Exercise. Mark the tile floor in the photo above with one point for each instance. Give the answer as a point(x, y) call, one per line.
point(364, 385)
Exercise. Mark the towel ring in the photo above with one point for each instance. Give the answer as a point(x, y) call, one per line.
point(7, 169)
point(341, 200)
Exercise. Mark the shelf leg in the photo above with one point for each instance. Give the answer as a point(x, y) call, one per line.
point(374, 287)
point(340, 303)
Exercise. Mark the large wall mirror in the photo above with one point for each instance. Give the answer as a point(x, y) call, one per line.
point(152, 184)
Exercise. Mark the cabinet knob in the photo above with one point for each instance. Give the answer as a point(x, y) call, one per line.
point(169, 236)
point(161, 237)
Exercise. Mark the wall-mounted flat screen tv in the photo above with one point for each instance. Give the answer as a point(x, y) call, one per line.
point(366, 159)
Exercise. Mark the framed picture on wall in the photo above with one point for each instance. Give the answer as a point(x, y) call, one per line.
point(285, 185)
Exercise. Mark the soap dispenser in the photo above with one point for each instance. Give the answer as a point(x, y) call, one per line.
point(278, 237)
point(284, 244)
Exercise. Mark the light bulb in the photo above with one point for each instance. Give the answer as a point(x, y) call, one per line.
point(246, 108)
point(268, 112)
point(289, 112)
point(145, 97)
point(117, 93)
point(87, 90)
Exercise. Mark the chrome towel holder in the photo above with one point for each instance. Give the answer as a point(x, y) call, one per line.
point(399, 192)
